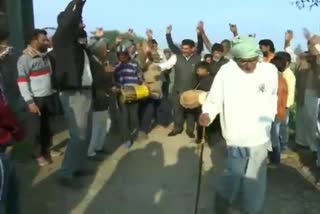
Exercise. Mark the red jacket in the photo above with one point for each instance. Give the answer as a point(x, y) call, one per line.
point(9, 127)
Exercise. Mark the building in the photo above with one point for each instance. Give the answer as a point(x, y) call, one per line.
point(21, 21)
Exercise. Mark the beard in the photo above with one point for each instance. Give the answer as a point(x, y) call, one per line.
point(265, 53)
point(43, 49)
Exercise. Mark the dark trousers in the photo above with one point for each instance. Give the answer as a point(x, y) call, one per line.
point(39, 127)
point(147, 112)
point(130, 120)
point(180, 114)
point(10, 194)
point(164, 112)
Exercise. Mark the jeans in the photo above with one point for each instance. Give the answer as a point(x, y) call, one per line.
point(77, 109)
point(274, 156)
point(164, 112)
point(284, 132)
point(101, 124)
point(9, 189)
point(246, 174)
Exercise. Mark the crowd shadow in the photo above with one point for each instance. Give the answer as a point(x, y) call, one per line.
point(46, 195)
point(141, 183)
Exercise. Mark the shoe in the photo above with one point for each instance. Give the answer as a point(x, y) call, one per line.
point(54, 154)
point(142, 136)
point(70, 183)
point(190, 134)
point(84, 173)
point(96, 158)
point(42, 161)
point(175, 133)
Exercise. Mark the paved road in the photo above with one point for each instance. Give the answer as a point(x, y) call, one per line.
point(158, 177)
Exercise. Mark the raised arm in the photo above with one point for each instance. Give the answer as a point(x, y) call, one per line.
point(149, 34)
point(206, 40)
point(175, 49)
point(72, 15)
point(200, 40)
point(234, 30)
point(287, 45)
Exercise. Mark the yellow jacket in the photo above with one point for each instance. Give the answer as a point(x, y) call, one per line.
point(291, 82)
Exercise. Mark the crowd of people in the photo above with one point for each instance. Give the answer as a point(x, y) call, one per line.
point(251, 92)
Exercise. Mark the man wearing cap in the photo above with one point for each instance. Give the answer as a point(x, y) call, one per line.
point(244, 93)
point(74, 77)
point(127, 73)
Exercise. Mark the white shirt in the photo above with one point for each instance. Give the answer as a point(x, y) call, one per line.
point(290, 51)
point(247, 103)
point(171, 62)
point(87, 75)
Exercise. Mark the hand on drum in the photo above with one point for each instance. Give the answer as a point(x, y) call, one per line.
point(204, 120)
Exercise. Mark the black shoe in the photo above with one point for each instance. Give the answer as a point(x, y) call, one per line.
point(70, 183)
point(84, 173)
point(190, 134)
point(96, 158)
point(175, 132)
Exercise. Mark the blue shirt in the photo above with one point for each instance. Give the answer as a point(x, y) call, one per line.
point(126, 74)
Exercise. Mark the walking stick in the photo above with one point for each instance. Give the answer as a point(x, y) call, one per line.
point(200, 150)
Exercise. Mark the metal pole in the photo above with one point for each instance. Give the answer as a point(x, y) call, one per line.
point(200, 149)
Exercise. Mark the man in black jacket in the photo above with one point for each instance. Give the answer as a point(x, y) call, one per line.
point(74, 78)
point(185, 79)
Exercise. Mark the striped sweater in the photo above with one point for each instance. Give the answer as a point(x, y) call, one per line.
point(34, 75)
point(127, 74)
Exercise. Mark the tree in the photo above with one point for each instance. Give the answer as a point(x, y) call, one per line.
point(301, 4)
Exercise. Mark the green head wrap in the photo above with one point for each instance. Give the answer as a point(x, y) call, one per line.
point(244, 47)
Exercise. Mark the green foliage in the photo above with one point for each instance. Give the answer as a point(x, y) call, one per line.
point(302, 4)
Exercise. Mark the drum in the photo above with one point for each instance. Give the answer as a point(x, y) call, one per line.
point(131, 93)
point(192, 99)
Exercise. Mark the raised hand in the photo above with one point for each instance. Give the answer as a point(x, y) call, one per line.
point(200, 27)
point(306, 33)
point(233, 28)
point(131, 33)
point(169, 29)
point(99, 32)
point(289, 35)
point(149, 33)
point(118, 39)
